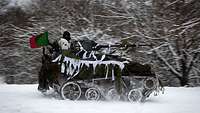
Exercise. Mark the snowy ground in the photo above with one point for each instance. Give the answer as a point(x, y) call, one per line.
point(26, 99)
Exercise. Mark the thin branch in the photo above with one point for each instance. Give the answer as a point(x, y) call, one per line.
point(191, 62)
point(176, 73)
point(148, 37)
point(104, 16)
point(176, 57)
point(172, 3)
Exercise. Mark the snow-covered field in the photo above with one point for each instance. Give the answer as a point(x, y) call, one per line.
point(26, 99)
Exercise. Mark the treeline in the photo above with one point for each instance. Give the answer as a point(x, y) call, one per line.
point(170, 28)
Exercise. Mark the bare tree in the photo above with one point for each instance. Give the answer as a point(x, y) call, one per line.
point(179, 42)
point(170, 27)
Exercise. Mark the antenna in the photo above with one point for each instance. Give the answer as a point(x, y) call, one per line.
point(60, 16)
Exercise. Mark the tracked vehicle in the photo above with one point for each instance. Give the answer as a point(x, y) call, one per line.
point(83, 73)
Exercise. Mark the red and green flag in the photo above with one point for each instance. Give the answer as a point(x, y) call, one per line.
point(39, 40)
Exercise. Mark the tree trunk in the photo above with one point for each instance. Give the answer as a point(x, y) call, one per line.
point(183, 81)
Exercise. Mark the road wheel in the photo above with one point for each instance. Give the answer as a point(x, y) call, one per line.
point(70, 90)
point(134, 95)
point(92, 94)
point(112, 95)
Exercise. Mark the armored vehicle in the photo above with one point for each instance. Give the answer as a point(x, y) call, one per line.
point(84, 73)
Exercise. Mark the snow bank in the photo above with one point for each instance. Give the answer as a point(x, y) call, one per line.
point(2, 80)
point(26, 99)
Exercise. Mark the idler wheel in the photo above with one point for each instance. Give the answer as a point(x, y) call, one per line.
point(134, 95)
point(70, 90)
point(92, 94)
point(112, 95)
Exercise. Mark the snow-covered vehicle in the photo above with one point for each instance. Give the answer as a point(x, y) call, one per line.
point(79, 73)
